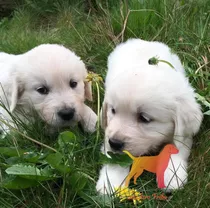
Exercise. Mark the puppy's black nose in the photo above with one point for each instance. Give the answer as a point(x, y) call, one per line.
point(116, 144)
point(66, 114)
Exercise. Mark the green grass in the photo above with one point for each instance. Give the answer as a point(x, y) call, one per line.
point(92, 30)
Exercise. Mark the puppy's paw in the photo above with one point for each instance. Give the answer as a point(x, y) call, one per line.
point(89, 119)
point(102, 186)
point(111, 177)
point(107, 186)
point(91, 126)
point(175, 176)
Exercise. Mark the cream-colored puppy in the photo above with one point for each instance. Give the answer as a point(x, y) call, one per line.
point(50, 79)
point(145, 107)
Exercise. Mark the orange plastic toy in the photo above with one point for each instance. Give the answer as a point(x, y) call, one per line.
point(155, 164)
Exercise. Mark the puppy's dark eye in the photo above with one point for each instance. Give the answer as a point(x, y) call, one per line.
point(73, 84)
point(143, 118)
point(113, 111)
point(43, 90)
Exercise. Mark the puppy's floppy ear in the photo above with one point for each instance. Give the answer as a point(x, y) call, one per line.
point(188, 118)
point(103, 115)
point(88, 90)
point(16, 92)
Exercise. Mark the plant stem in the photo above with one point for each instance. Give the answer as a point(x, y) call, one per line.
point(159, 60)
point(98, 112)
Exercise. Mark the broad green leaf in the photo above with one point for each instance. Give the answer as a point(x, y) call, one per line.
point(16, 182)
point(207, 113)
point(77, 181)
point(11, 151)
point(32, 157)
point(22, 169)
point(121, 159)
point(66, 136)
point(56, 161)
point(202, 100)
point(13, 160)
point(67, 141)
point(45, 174)
point(29, 172)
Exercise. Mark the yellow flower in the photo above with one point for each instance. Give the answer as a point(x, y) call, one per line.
point(93, 77)
point(125, 193)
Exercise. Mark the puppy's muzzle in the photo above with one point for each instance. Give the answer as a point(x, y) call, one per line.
point(66, 114)
point(116, 144)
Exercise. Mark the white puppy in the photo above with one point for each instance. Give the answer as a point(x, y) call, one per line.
point(51, 79)
point(145, 107)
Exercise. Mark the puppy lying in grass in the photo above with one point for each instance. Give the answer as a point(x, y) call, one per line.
point(50, 79)
point(146, 106)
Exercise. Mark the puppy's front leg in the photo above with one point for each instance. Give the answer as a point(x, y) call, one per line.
point(89, 119)
point(175, 176)
point(111, 176)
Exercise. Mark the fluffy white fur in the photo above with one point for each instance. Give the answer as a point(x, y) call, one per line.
point(52, 66)
point(146, 106)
